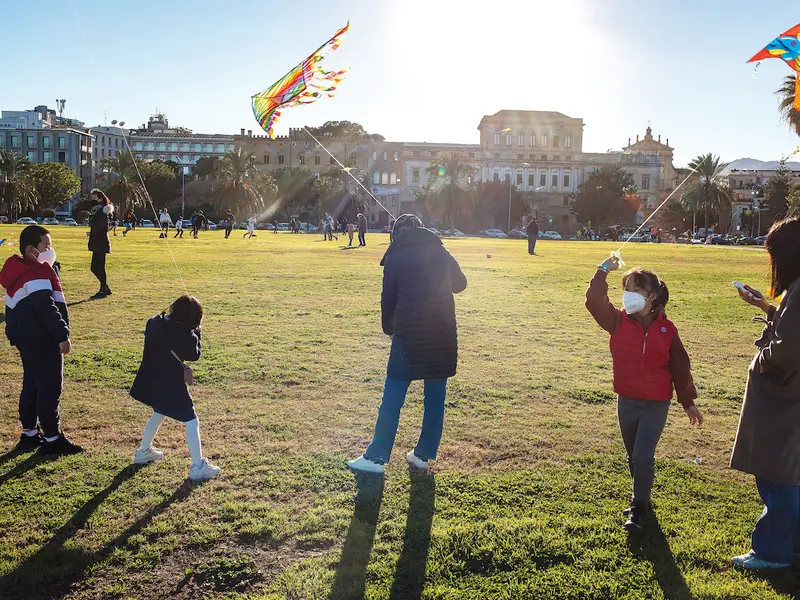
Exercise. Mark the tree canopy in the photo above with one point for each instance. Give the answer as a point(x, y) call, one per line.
point(344, 130)
point(55, 183)
point(607, 195)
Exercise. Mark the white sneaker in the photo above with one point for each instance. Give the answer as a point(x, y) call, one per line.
point(416, 463)
point(365, 465)
point(205, 470)
point(751, 561)
point(151, 454)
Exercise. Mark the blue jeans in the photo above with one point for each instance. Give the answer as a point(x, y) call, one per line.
point(776, 536)
point(394, 396)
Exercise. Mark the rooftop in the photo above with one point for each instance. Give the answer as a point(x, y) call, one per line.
point(527, 114)
point(160, 134)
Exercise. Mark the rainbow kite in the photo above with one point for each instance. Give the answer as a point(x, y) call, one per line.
point(787, 48)
point(304, 84)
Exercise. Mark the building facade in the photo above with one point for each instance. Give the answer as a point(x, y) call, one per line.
point(654, 194)
point(156, 140)
point(747, 186)
point(107, 142)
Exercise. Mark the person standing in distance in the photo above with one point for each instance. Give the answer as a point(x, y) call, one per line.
point(533, 234)
point(99, 242)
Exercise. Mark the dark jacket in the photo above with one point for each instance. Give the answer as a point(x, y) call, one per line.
point(98, 231)
point(768, 439)
point(362, 223)
point(532, 229)
point(419, 279)
point(159, 382)
point(36, 312)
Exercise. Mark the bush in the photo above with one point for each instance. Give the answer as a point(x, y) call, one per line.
point(47, 212)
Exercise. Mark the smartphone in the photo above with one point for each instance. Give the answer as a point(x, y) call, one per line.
point(740, 286)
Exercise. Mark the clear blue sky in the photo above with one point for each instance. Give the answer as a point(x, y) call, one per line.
point(421, 70)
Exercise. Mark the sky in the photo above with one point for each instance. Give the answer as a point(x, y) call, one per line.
point(420, 70)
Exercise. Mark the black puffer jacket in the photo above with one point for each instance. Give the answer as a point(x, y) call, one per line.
point(419, 279)
point(99, 222)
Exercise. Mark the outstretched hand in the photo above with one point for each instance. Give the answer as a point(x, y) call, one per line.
point(695, 416)
point(610, 264)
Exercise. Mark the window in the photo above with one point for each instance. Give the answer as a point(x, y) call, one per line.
point(568, 158)
point(332, 161)
point(47, 156)
point(568, 141)
point(220, 148)
point(415, 175)
point(266, 159)
point(280, 159)
point(62, 157)
point(385, 178)
point(471, 154)
point(195, 147)
point(301, 159)
point(531, 179)
point(162, 147)
point(497, 138)
point(519, 178)
point(103, 153)
point(533, 140)
point(184, 146)
point(521, 156)
point(31, 155)
point(496, 175)
point(566, 180)
point(396, 157)
point(103, 141)
point(15, 141)
point(376, 177)
point(544, 156)
point(508, 139)
point(173, 146)
point(139, 156)
point(317, 160)
point(554, 180)
point(150, 157)
point(374, 217)
point(542, 179)
point(544, 140)
point(566, 201)
point(434, 153)
point(30, 141)
point(393, 178)
point(152, 146)
point(645, 182)
point(416, 154)
point(385, 155)
point(228, 146)
point(374, 155)
point(138, 146)
point(116, 144)
point(186, 158)
point(520, 139)
point(206, 147)
point(555, 140)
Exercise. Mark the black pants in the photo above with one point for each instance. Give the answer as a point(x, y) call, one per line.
point(42, 374)
point(228, 232)
point(178, 233)
point(361, 238)
point(531, 244)
point(99, 268)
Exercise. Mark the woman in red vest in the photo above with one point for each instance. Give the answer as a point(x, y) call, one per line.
point(649, 361)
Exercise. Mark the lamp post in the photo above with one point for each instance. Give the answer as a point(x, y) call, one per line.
point(183, 185)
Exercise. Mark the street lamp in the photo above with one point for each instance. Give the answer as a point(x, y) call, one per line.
point(183, 184)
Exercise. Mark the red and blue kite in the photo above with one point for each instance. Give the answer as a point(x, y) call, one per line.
point(787, 48)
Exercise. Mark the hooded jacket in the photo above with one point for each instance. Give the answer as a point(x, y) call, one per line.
point(419, 279)
point(36, 312)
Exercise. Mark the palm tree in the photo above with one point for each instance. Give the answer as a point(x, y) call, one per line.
point(708, 181)
point(125, 189)
point(340, 180)
point(450, 189)
point(786, 93)
point(239, 183)
point(16, 189)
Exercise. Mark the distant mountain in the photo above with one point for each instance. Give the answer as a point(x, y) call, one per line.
point(752, 163)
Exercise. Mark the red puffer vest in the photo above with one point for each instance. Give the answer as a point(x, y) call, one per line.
point(641, 358)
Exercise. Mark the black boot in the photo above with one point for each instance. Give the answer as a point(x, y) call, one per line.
point(637, 517)
point(29, 442)
point(60, 446)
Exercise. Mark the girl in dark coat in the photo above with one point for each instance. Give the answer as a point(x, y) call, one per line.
point(99, 244)
point(169, 339)
point(419, 279)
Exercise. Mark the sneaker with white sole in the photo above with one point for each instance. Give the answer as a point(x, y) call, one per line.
point(365, 465)
point(151, 454)
point(416, 463)
point(751, 561)
point(205, 470)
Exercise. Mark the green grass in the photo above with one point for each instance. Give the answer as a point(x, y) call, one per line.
point(527, 492)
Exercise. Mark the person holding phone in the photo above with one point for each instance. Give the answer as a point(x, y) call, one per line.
point(768, 439)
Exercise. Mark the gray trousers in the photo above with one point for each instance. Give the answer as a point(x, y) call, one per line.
point(641, 423)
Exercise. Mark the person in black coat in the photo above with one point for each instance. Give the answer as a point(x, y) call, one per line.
point(419, 279)
point(533, 234)
point(362, 229)
point(99, 243)
point(169, 339)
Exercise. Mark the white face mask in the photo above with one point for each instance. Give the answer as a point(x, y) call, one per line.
point(633, 302)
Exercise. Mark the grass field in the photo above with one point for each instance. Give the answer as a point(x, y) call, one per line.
point(527, 492)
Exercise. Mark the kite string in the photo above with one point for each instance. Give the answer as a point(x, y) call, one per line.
point(346, 170)
point(155, 213)
point(652, 214)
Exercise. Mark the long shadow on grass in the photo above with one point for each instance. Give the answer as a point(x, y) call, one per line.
point(24, 466)
point(653, 546)
point(351, 572)
point(54, 569)
point(409, 577)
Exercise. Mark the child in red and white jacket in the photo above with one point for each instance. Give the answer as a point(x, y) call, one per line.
point(649, 360)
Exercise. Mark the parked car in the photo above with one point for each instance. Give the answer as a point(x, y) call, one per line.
point(26, 221)
point(551, 235)
point(145, 223)
point(629, 237)
point(496, 233)
point(518, 234)
point(51, 221)
point(3, 220)
point(434, 230)
point(212, 226)
point(762, 239)
point(283, 227)
point(746, 241)
point(717, 239)
point(452, 232)
point(69, 221)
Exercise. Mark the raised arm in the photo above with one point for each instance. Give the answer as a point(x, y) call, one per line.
point(598, 304)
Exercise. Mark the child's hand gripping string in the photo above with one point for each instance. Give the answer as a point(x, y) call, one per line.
point(612, 263)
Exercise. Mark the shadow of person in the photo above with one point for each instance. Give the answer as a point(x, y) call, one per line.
point(409, 577)
point(653, 546)
point(55, 569)
point(24, 466)
point(10, 455)
point(78, 302)
point(351, 571)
